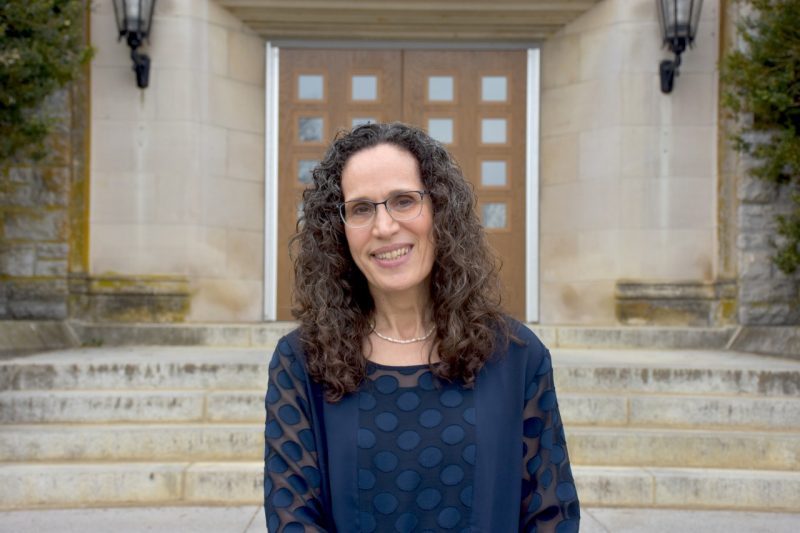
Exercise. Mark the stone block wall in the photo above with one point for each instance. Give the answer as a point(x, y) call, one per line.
point(628, 174)
point(178, 168)
point(36, 218)
point(767, 296)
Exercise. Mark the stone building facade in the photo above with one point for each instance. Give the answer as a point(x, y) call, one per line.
point(152, 205)
point(43, 216)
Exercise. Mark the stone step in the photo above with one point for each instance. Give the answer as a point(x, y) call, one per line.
point(710, 412)
point(230, 442)
point(630, 371)
point(646, 410)
point(681, 448)
point(688, 488)
point(266, 334)
point(143, 368)
point(233, 483)
point(101, 407)
point(132, 442)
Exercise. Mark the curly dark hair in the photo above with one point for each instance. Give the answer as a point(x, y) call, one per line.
point(332, 300)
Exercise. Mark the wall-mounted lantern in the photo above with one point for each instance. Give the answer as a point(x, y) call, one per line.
point(678, 20)
point(134, 18)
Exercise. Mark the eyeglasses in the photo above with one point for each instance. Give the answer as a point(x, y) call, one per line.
point(401, 206)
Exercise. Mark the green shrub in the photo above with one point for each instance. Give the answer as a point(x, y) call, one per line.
point(42, 49)
point(762, 80)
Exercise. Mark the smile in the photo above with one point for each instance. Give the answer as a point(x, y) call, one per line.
point(394, 254)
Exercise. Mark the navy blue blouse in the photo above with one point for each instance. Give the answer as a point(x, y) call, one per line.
point(409, 452)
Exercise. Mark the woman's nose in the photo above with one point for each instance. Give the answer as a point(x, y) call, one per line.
point(383, 223)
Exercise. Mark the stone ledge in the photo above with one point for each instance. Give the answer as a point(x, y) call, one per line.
point(20, 337)
point(677, 303)
point(266, 335)
point(26, 485)
point(672, 338)
point(143, 334)
point(769, 340)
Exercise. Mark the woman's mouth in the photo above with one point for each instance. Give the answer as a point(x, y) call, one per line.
point(394, 254)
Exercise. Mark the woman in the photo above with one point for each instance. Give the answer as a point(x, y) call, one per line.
point(406, 400)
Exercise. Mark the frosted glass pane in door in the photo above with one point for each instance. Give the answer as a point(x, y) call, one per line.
point(440, 88)
point(358, 121)
point(310, 87)
point(304, 168)
point(494, 88)
point(493, 131)
point(365, 88)
point(441, 129)
point(494, 215)
point(309, 129)
point(493, 173)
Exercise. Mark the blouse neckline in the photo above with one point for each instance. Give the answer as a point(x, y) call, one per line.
point(400, 367)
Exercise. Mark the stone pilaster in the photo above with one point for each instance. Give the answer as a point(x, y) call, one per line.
point(767, 296)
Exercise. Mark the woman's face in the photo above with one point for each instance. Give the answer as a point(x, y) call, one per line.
point(395, 257)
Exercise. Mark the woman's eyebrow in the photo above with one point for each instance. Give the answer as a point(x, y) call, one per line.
point(390, 194)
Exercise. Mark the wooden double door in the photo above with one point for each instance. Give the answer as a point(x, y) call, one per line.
point(472, 101)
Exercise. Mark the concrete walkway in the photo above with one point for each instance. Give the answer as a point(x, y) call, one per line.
point(250, 519)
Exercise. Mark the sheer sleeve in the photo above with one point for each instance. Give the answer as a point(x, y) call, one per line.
point(549, 499)
point(291, 471)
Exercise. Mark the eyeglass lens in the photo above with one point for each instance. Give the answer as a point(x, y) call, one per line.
point(401, 206)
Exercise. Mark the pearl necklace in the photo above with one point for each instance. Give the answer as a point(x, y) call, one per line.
point(405, 341)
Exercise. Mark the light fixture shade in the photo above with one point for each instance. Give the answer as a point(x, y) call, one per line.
point(679, 20)
point(134, 17)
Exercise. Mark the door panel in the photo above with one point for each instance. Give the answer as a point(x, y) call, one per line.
point(322, 92)
point(472, 101)
point(487, 109)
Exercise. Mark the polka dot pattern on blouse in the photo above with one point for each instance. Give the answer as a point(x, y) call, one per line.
point(416, 451)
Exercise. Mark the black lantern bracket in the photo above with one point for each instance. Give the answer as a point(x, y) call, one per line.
point(134, 20)
point(668, 71)
point(141, 62)
point(679, 20)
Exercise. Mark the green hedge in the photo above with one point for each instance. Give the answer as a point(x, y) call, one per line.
point(42, 48)
point(762, 80)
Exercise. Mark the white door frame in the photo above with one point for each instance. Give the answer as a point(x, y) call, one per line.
point(271, 132)
point(532, 188)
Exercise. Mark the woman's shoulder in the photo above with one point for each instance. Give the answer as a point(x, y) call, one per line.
point(290, 348)
point(291, 342)
point(523, 349)
point(523, 336)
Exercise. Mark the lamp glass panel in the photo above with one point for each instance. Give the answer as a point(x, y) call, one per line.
point(132, 9)
point(679, 17)
point(698, 7)
point(134, 16)
point(146, 14)
point(119, 15)
point(132, 20)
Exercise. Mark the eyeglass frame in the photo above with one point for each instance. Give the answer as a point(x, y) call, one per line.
point(384, 203)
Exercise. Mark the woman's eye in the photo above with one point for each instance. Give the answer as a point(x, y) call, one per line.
point(361, 209)
point(404, 201)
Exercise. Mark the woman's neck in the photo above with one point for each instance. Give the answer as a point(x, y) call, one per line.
point(403, 316)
